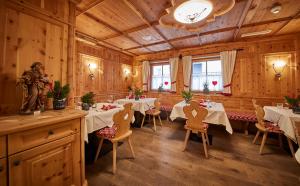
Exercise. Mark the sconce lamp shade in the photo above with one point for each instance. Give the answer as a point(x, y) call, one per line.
point(279, 67)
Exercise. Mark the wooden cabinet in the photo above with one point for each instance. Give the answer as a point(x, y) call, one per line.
point(49, 164)
point(43, 151)
point(3, 172)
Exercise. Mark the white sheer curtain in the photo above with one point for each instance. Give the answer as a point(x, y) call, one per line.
point(228, 62)
point(174, 68)
point(187, 70)
point(146, 74)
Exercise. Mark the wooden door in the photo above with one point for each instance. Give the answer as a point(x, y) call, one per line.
point(3, 172)
point(46, 165)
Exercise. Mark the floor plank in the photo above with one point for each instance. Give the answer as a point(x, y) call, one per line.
point(233, 160)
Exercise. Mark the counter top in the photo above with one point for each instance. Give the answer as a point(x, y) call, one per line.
point(16, 123)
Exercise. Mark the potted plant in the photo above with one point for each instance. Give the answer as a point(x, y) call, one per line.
point(59, 94)
point(293, 103)
point(187, 96)
point(87, 100)
point(137, 93)
point(160, 88)
point(205, 88)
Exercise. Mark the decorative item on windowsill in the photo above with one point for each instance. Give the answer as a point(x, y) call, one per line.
point(137, 93)
point(205, 88)
point(214, 84)
point(161, 87)
point(59, 94)
point(293, 103)
point(33, 83)
point(187, 96)
point(87, 100)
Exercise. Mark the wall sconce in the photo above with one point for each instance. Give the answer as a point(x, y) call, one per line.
point(92, 67)
point(279, 67)
point(126, 73)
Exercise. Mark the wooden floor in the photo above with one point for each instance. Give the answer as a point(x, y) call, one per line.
point(233, 160)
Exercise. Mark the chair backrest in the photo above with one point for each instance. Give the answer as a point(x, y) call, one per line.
point(122, 119)
point(195, 114)
point(297, 130)
point(260, 114)
point(157, 105)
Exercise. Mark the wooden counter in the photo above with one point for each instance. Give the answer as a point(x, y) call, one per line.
point(47, 149)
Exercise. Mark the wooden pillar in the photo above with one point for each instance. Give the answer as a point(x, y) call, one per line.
point(71, 51)
point(297, 64)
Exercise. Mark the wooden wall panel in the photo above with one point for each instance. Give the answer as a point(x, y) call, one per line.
point(253, 75)
point(28, 36)
point(110, 76)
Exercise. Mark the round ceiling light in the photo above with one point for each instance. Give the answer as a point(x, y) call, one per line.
point(193, 11)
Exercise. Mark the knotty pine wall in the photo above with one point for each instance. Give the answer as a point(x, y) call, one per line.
point(110, 78)
point(32, 31)
point(253, 76)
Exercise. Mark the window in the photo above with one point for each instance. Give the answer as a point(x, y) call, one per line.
point(160, 74)
point(209, 71)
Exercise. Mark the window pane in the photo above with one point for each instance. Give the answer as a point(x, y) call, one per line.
point(214, 74)
point(166, 70)
point(157, 70)
point(198, 75)
point(156, 82)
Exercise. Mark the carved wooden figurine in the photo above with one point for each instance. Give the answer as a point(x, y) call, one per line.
point(33, 83)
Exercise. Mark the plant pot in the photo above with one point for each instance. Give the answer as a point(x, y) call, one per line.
point(49, 103)
point(137, 98)
point(85, 106)
point(187, 101)
point(59, 104)
point(296, 110)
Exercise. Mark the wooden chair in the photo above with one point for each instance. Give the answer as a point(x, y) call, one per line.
point(266, 127)
point(155, 112)
point(119, 132)
point(195, 114)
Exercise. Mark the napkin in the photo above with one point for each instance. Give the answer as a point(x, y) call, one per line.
point(108, 107)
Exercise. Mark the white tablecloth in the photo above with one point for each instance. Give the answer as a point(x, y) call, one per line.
point(141, 105)
point(284, 118)
point(98, 119)
point(216, 114)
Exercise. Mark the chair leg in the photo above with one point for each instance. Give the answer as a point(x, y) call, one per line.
point(159, 120)
point(280, 140)
point(154, 123)
point(143, 121)
point(204, 144)
point(130, 145)
point(207, 140)
point(99, 149)
point(256, 136)
point(115, 157)
point(263, 142)
point(291, 147)
point(246, 128)
point(187, 135)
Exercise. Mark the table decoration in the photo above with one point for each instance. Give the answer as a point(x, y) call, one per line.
point(187, 96)
point(59, 94)
point(87, 100)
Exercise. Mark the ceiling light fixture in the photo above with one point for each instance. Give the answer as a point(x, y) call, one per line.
point(256, 33)
point(147, 38)
point(193, 11)
point(276, 8)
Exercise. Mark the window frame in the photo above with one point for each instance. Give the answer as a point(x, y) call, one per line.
point(205, 59)
point(158, 63)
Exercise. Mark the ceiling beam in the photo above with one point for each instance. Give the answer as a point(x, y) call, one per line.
point(243, 17)
point(218, 31)
point(88, 7)
point(114, 29)
point(140, 14)
point(102, 43)
point(188, 37)
point(287, 22)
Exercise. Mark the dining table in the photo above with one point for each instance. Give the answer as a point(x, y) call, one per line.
point(141, 105)
point(285, 118)
point(216, 114)
point(100, 117)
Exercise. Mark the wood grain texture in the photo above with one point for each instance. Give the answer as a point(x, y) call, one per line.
point(3, 146)
point(23, 45)
point(253, 75)
point(233, 160)
point(109, 79)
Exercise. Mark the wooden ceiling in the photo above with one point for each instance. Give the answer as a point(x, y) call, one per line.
point(124, 24)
